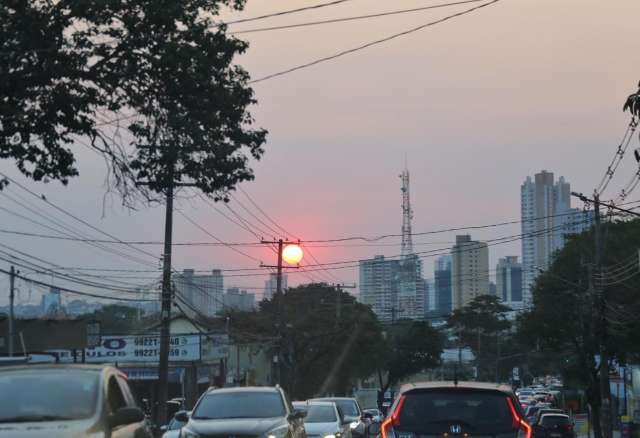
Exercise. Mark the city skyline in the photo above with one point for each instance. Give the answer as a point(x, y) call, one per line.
point(564, 116)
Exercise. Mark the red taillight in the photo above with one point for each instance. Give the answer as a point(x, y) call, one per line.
point(518, 422)
point(568, 426)
point(393, 420)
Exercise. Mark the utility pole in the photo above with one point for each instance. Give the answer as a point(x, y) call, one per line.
point(165, 315)
point(606, 422)
point(279, 302)
point(605, 391)
point(12, 322)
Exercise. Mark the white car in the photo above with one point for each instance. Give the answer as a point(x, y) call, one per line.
point(323, 420)
point(172, 430)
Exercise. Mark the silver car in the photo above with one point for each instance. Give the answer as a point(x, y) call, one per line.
point(70, 401)
point(324, 420)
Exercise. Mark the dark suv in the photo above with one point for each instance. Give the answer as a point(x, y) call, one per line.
point(244, 412)
point(449, 409)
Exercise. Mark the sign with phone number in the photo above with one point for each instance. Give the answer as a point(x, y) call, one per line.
point(143, 349)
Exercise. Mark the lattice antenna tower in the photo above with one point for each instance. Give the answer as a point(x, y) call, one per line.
point(407, 215)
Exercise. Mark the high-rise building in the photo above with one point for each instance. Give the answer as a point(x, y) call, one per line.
point(239, 300)
point(379, 284)
point(271, 285)
point(469, 270)
point(547, 220)
point(411, 288)
point(442, 285)
point(509, 280)
point(429, 296)
point(51, 302)
point(202, 292)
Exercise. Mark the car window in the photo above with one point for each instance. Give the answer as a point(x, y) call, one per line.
point(484, 412)
point(31, 396)
point(175, 424)
point(240, 405)
point(321, 414)
point(127, 392)
point(554, 420)
point(115, 398)
point(349, 408)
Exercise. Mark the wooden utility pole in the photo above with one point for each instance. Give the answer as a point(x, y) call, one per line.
point(12, 321)
point(165, 315)
point(606, 418)
point(280, 322)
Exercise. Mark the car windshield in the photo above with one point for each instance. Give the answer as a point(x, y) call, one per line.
point(321, 414)
point(47, 396)
point(240, 405)
point(349, 408)
point(554, 420)
point(175, 424)
point(483, 412)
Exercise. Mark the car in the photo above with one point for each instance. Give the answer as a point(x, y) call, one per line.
point(172, 430)
point(324, 420)
point(68, 401)
point(454, 408)
point(350, 408)
point(554, 426)
point(299, 406)
point(546, 410)
point(531, 411)
point(243, 411)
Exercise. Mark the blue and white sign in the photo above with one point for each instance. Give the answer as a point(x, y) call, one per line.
point(129, 349)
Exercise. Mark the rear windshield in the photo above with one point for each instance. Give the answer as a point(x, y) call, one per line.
point(437, 411)
point(554, 420)
point(320, 414)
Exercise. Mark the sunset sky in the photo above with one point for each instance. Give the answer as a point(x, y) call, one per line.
point(475, 104)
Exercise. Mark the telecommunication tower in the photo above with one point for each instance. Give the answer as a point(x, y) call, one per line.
point(407, 216)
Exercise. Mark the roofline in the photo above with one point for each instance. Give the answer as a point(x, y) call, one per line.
point(489, 386)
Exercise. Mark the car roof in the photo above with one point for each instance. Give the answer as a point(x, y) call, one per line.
point(235, 389)
point(459, 385)
point(554, 414)
point(331, 398)
point(320, 403)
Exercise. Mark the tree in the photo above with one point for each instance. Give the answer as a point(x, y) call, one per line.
point(150, 85)
point(412, 347)
point(564, 324)
point(479, 326)
point(318, 352)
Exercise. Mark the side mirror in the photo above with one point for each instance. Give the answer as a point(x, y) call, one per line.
point(164, 428)
point(182, 416)
point(372, 430)
point(125, 416)
point(367, 416)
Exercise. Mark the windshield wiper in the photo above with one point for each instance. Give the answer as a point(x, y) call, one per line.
point(29, 418)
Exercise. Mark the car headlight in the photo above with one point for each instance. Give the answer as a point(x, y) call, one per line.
point(354, 424)
point(280, 432)
point(330, 436)
point(186, 433)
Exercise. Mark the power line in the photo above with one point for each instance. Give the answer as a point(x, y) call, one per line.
point(287, 12)
point(617, 157)
point(75, 292)
point(354, 18)
point(65, 212)
point(370, 44)
point(204, 230)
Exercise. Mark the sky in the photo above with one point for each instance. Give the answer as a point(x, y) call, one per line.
point(472, 105)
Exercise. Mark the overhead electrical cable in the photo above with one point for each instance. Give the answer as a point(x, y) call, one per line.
point(370, 44)
point(354, 18)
